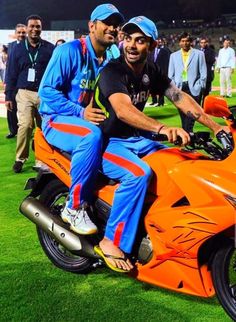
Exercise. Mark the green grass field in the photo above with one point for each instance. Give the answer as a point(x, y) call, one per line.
point(32, 289)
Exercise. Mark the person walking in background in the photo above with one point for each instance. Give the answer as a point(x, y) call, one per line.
point(3, 62)
point(225, 66)
point(27, 63)
point(210, 61)
point(187, 69)
point(160, 56)
point(20, 34)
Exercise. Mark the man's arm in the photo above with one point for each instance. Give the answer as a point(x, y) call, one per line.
point(64, 64)
point(203, 69)
point(232, 61)
point(11, 79)
point(191, 108)
point(55, 81)
point(128, 113)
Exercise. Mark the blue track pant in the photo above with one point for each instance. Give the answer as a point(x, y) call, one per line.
point(122, 161)
point(83, 141)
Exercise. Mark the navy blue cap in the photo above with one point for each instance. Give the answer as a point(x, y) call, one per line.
point(104, 11)
point(146, 25)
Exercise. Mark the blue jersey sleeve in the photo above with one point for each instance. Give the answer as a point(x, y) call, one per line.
point(56, 90)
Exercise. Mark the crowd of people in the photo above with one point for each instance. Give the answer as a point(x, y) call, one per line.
point(53, 87)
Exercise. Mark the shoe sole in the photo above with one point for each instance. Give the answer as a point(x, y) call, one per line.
point(77, 231)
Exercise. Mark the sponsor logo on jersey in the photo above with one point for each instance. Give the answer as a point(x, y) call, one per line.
point(145, 80)
point(87, 84)
point(140, 97)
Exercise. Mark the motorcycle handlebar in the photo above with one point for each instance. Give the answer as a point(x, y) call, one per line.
point(226, 140)
point(203, 141)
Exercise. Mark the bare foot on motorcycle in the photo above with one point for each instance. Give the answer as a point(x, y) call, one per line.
point(113, 256)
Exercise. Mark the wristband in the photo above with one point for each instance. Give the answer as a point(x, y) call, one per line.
point(161, 127)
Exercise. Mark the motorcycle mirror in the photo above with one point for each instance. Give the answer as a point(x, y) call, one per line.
point(217, 106)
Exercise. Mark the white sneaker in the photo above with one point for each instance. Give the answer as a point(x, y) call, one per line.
point(79, 221)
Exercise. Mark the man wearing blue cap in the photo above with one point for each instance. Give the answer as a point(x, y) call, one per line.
point(68, 119)
point(123, 100)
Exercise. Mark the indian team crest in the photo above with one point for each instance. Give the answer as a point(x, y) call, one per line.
point(145, 80)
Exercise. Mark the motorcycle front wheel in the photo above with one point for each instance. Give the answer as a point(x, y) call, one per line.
point(54, 197)
point(224, 278)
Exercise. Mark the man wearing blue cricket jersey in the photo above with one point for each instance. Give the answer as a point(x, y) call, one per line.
point(66, 93)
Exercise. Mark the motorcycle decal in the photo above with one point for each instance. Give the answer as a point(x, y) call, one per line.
point(61, 166)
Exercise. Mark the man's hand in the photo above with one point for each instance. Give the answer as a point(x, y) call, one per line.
point(93, 115)
point(9, 105)
point(174, 132)
point(222, 128)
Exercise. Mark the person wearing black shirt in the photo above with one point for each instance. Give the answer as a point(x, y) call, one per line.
point(26, 65)
point(210, 58)
point(121, 92)
point(160, 56)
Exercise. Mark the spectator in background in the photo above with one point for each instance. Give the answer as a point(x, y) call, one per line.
point(26, 65)
point(210, 61)
point(3, 61)
point(20, 34)
point(187, 69)
point(160, 56)
point(225, 66)
point(120, 38)
point(59, 42)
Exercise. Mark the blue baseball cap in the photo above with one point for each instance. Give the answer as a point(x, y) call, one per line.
point(146, 25)
point(104, 11)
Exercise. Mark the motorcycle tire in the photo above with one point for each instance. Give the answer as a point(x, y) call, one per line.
point(224, 278)
point(54, 197)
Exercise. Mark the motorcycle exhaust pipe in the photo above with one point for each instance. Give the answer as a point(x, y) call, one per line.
point(40, 215)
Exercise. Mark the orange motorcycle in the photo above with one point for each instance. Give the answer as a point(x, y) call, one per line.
point(185, 240)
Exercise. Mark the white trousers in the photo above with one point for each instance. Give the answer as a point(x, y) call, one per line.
point(225, 81)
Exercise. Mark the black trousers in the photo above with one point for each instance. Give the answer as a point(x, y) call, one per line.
point(187, 121)
point(206, 91)
point(12, 119)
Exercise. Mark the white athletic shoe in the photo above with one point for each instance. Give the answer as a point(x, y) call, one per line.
point(79, 221)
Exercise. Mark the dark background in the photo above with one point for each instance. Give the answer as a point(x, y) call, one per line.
point(14, 11)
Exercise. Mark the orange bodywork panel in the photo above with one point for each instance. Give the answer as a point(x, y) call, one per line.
point(187, 206)
point(58, 163)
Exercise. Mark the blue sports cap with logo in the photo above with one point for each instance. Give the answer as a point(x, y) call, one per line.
point(146, 25)
point(104, 11)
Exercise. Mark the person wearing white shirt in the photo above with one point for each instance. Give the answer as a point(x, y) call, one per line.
point(225, 66)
